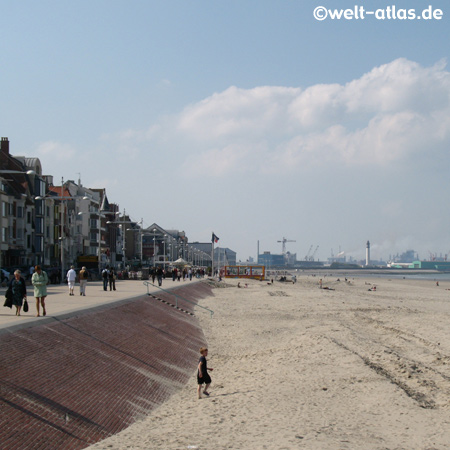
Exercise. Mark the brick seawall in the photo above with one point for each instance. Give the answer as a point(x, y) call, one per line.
point(77, 380)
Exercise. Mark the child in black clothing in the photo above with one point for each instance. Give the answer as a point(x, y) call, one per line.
point(202, 373)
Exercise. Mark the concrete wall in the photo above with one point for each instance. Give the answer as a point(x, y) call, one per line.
point(75, 381)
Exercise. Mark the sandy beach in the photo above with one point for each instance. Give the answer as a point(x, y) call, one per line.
point(298, 367)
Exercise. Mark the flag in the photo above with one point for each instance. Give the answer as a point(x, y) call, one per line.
point(214, 239)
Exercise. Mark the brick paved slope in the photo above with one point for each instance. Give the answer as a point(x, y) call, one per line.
point(73, 382)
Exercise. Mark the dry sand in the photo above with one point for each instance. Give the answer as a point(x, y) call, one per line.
point(298, 367)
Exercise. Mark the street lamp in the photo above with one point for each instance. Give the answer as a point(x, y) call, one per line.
point(164, 243)
point(61, 238)
point(142, 244)
point(101, 214)
point(27, 172)
point(123, 223)
point(154, 247)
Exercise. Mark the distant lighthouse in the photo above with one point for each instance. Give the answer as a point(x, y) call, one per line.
point(368, 253)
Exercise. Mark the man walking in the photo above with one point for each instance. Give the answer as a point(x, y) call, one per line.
point(105, 276)
point(84, 275)
point(71, 277)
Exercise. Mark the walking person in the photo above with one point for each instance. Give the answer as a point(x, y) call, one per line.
point(202, 373)
point(105, 274)
point(84, 275)
point(71, 278)
point(112, 279)
point(18, 291)
point(159, 275)
point(39, 280)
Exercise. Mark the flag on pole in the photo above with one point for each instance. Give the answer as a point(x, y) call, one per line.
point(214, 239)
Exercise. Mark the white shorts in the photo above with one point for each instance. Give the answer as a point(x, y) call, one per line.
point(71, 284)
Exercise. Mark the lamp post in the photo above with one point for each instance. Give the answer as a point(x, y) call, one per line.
point(154, 247)
point(122, 223)
point(141, 236)
point(27, 172)
point(142, 243)
point(61, 238)
point(164, 243)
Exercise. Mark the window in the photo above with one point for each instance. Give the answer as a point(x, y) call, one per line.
point(20, 212)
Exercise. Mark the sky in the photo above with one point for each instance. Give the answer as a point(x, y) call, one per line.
point(250, 119)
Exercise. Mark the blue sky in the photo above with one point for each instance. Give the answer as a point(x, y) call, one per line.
point(247, 118)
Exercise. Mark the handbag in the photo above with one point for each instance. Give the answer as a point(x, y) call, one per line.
point(8, 298)
point(25, 306)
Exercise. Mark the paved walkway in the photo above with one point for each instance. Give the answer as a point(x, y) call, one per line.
point(60, 303)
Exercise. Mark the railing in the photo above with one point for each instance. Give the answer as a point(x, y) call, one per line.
point(148, 284)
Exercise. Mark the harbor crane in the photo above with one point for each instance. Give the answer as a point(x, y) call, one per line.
point(284, 244)
point(309, 251)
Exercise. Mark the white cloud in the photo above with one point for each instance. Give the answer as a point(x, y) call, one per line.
point(239, 112)
point(393, 115)
point(388, 115)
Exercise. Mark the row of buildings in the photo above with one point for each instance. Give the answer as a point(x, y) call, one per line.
point(59, 224)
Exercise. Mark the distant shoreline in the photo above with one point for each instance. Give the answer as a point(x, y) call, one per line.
point(385, 271)
point(366, 271)
point(370, 273)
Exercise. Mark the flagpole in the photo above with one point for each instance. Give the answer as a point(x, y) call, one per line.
point(212, 255)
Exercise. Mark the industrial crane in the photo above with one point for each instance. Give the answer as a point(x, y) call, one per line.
point(309, 251)
point(284, 244)
point(314, 253)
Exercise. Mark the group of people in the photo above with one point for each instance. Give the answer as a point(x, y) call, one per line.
point(17, 290)
point(72, 278)
point(178, 274)
point(159, 273)
point(109, 276)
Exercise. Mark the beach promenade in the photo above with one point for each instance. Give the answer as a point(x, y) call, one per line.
point(94, 364)
point(59, 302)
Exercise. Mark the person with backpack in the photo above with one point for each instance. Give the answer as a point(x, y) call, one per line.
point(84, 275)
point(112, 279)
point(105, 277)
